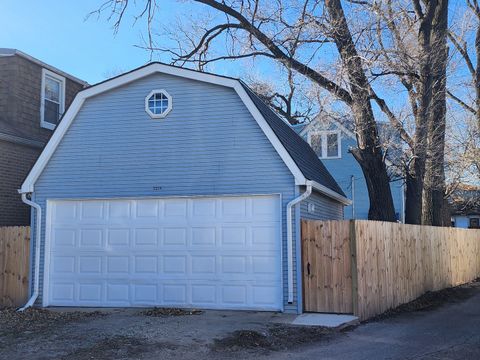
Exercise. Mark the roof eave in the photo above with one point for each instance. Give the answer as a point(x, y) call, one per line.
point(13, 52)
point(330, 193)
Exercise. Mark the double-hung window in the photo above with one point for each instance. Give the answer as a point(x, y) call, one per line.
point(53, 99)
point(326, 144)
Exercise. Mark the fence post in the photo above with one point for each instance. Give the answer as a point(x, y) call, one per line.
point(353, 252)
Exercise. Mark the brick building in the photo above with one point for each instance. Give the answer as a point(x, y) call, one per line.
point(33, 97)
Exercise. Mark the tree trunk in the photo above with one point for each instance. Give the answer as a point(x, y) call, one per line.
point(413, 199)
point(378, 186)
point(477, 73)
point(434, 189)
point(416, 170)
point(369, 153)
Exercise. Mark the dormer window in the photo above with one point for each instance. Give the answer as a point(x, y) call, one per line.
point(326, 144)
point(52, 99)
point(158, 104)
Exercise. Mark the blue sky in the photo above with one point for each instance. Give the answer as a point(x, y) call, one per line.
point(57, 33)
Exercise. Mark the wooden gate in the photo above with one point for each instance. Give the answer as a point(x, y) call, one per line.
point(327, 268)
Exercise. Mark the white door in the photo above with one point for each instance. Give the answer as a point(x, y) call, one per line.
point(217, 253)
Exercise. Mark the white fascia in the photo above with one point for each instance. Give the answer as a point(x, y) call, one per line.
point(330, 193)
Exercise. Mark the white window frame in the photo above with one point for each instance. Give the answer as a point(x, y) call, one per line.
point(169, 106)
point(62, 81)
point(324, 134)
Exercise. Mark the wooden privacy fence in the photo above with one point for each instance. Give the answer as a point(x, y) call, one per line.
point(368, 267)
point(14, 265)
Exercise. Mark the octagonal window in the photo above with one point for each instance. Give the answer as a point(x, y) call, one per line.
point(158, 104)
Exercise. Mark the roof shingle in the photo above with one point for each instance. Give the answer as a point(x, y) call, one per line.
point(300, 151)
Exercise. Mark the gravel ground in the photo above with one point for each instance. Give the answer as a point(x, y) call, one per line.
point(161, 333)
point(147, 334)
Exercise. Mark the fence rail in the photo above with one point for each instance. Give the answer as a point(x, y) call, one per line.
point(14, 265)
point(382, 264)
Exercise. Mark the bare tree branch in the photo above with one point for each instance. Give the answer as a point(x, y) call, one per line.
point(461, 103)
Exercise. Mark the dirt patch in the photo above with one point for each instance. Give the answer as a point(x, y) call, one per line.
point(118, 347)
point(433, 299)
point(33, 320)
point(274, 338)
point(158, 311)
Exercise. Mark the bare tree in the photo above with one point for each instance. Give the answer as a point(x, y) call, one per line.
point(462, 160)
point(472, 61)
point(401, 43)
point(293, 35)
point(296, 103)
point(466, 40)
point(412, 54)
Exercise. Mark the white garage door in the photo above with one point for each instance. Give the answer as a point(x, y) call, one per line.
point(218, 253)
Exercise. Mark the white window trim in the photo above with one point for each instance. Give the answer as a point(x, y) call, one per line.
point(169, 106)
point(61, 79)
point(323, 134)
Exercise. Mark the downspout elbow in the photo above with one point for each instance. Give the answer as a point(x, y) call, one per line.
point(38, 223)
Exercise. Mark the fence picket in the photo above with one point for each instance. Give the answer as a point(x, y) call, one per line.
point(14, 265)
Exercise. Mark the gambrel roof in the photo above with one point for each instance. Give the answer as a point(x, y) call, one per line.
point(293, 150)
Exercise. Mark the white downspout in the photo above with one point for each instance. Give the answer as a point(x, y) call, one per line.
point(353, 197)
point(290, 205)
point(38, 223)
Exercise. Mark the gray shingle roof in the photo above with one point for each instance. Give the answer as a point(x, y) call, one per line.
point(302, 154)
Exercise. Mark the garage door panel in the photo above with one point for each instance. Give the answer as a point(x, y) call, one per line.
point(119, 210)
point(91, 238)
point(65, 211)
point(90, 292)
point(90, 264)
point(175, 209)
point(92, 210)
point(204, 208)
point(118, 292)
point(64, 238)
point(199, 252)
point(147, 209)
point(62, 292)
point(174, 236)
point(146, 237)
point(117, 238)
point(174, 294)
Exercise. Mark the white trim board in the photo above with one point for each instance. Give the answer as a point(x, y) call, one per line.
point(69, 116)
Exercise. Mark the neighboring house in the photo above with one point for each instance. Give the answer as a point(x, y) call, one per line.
point(33, 96)
point(168, 186)
point(465, 204)
point(331, 141)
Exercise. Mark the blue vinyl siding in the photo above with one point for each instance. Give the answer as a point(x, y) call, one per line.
point(209, 144)
point(325, 208)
